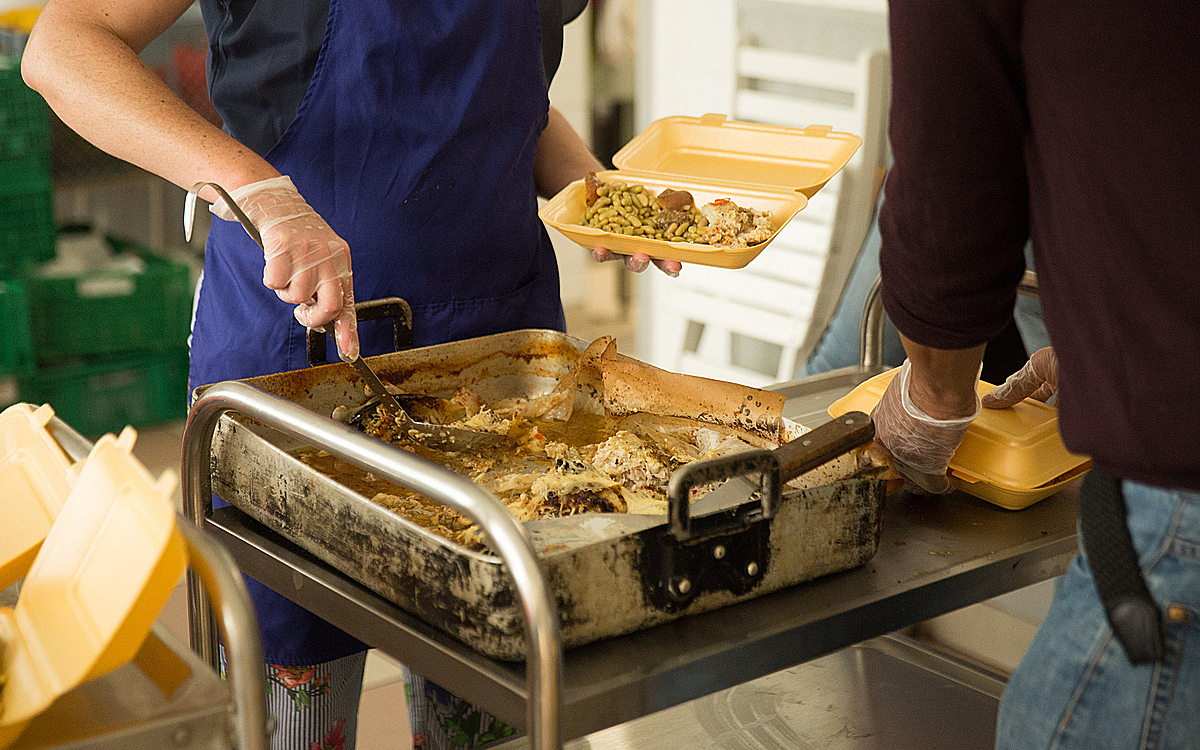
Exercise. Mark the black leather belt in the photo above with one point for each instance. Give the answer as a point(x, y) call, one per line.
point(1135, 619)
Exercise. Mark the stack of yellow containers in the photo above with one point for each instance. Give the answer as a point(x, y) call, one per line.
point(97, 545)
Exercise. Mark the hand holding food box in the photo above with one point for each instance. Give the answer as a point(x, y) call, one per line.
point(727, 187)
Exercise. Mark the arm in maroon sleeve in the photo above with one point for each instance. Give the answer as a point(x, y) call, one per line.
point(955, 218)
point(954, 222)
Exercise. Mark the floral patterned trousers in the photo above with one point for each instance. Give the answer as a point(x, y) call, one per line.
point(441, 720)
point(315, 707)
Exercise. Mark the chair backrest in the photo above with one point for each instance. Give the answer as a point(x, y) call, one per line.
point(756, 324)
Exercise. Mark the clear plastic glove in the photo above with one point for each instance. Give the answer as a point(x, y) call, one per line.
point(921, 446)
point(1038, 379)
point(307, 263)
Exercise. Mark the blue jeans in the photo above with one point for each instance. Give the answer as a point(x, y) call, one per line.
point(839, 344)
point(1075, 689)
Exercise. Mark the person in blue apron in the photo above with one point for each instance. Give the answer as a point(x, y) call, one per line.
point(419, 135)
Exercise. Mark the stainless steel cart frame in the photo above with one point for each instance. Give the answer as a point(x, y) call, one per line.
point(506, 537)
point(937, 555)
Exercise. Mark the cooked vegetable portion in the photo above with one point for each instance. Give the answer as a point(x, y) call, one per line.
point(672, 215)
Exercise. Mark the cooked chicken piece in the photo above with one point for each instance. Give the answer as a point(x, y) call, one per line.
point(669, 216)
point(731, 225)
point(469, 400)
point(429, 514)
point(712, 443)
point(635, 463)
point(675, 200)
point(591, 184)
point(485, 421)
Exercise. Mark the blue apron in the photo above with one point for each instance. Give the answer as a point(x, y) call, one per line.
point(415, 141)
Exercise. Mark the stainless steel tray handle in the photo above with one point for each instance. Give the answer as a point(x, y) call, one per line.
point(506, 537)
point(210, 563)
point(719, 469)
point(870, 332)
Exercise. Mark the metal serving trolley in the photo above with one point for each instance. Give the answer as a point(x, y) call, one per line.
point(936, 555)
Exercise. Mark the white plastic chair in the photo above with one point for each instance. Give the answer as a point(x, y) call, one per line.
point(754, 325)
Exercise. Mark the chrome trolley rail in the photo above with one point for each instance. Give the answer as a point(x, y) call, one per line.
point(125, 710)
point(507, 538)
point(937, 555)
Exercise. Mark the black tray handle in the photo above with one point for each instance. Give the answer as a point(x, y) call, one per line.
point(387, 307)
point(695, 474)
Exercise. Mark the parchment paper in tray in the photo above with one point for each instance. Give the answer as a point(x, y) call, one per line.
point(625, 387)
point(632, 387)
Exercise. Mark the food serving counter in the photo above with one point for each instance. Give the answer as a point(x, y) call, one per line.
point(936, 555)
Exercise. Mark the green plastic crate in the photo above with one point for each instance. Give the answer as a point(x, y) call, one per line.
point(26, 228)
point(99, 396)
point(24, 116)
point(16, 347)
point(27, 174)
point(107, 313)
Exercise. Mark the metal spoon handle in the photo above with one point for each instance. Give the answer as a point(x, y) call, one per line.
point(376, 385)
point(189, 211)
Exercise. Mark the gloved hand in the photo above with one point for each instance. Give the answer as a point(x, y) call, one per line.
point(307, 263)
point(1038, 379)
point(921, 446)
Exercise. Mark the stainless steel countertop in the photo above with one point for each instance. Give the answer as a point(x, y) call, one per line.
point(937, 555)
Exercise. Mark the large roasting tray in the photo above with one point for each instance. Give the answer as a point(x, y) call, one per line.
point(603, 587)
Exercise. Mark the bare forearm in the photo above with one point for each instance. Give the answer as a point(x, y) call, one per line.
point(943, 380)
point(83, 60)
point(562, 157)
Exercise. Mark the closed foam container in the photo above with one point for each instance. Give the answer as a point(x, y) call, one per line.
point(104, 571)
point(1010, 457)
point(764, 167)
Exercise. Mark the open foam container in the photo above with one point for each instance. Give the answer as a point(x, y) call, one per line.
point(35, 475)
point(764, 167)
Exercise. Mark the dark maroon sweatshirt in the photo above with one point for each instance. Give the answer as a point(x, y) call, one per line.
point(1077, 124)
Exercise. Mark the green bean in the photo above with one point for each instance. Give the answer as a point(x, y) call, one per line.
point(632, 210)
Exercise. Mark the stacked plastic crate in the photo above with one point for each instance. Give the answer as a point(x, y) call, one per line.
point(105, 342)
point(26, 216)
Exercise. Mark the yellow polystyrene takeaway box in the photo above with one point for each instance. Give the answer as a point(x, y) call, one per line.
point(764, 167)
point(34, 477)
point(105, 570)
point(1011, 457)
